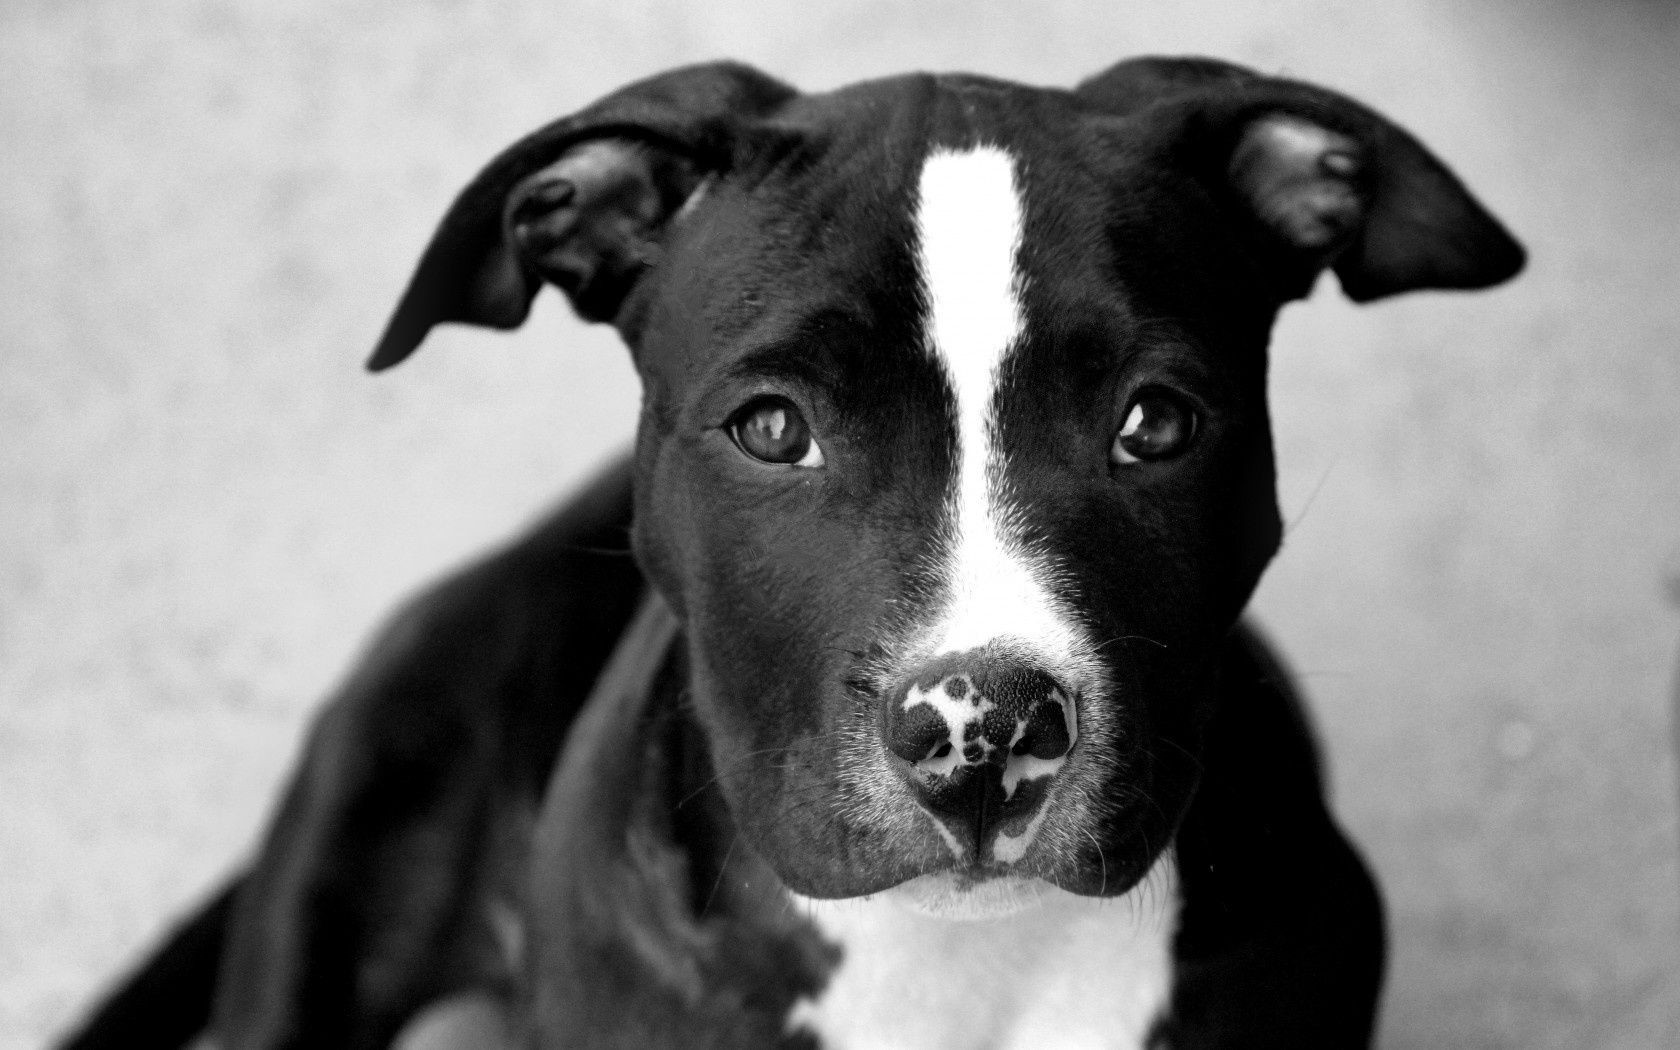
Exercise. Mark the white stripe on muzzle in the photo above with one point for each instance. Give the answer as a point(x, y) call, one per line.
point(969, 219)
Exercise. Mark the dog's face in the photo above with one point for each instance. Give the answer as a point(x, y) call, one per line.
point(954, 456)
point(922, 410)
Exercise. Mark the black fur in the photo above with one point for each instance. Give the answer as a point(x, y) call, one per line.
point(746, 239)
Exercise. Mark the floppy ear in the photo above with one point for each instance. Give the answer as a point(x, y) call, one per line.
point(1323, 180)
point(582, 203)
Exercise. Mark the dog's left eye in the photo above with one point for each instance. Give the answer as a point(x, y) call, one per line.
point(1158, 425)
point(772, 430)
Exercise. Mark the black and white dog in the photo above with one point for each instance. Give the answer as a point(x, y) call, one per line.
point(922, 716)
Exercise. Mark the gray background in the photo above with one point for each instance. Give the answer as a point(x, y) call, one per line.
point(207, 208)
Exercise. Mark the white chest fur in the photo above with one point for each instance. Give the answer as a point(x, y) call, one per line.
point(1062, 971)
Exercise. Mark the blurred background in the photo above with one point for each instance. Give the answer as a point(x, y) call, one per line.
point(207, 208)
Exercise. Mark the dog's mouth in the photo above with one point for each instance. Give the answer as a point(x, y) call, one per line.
point(970, 896)
point(1061, 840)
point(969, 840)
point(965, 788)
point(847, 845)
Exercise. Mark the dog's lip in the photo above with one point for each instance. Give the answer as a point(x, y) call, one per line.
point(971, 894)
point(969, 871)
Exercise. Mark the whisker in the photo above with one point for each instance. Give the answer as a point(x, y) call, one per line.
point(1132, 638)
point(1103, 891)
point(1311, 496)
point(1186, 752)
point(723, 869)
point(717, 774)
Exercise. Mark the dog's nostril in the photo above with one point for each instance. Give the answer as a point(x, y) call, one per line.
point(917, 733)
point(1046, 732)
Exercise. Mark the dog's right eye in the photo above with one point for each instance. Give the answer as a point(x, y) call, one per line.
point(772, 430)
point(1158, 425)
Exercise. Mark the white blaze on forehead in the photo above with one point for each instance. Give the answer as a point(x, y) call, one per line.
point(968, 224)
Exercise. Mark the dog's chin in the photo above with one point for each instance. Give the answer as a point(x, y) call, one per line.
point(963, 898)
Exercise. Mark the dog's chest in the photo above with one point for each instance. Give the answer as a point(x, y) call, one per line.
point(1070, 972)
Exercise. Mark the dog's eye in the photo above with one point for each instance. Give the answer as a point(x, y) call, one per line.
point(1159, 425)
point(771, 429)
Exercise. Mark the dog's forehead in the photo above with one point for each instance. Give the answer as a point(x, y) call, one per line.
point(899, 121)
point(829, 220)
point(874, 142)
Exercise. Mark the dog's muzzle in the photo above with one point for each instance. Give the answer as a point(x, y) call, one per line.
point(982, 735)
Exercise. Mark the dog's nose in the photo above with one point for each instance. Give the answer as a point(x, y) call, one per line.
point(983, 733)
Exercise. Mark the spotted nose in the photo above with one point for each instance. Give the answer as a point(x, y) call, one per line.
point(983, 734)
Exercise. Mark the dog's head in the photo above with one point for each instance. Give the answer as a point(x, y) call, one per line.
point(954, 456)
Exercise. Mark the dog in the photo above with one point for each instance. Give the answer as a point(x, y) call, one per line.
point(894, 691)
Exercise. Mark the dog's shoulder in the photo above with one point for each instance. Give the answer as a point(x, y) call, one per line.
point(1275, 899)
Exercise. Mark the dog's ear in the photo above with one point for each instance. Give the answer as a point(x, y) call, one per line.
point(1323, 180)
point(582, 203)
